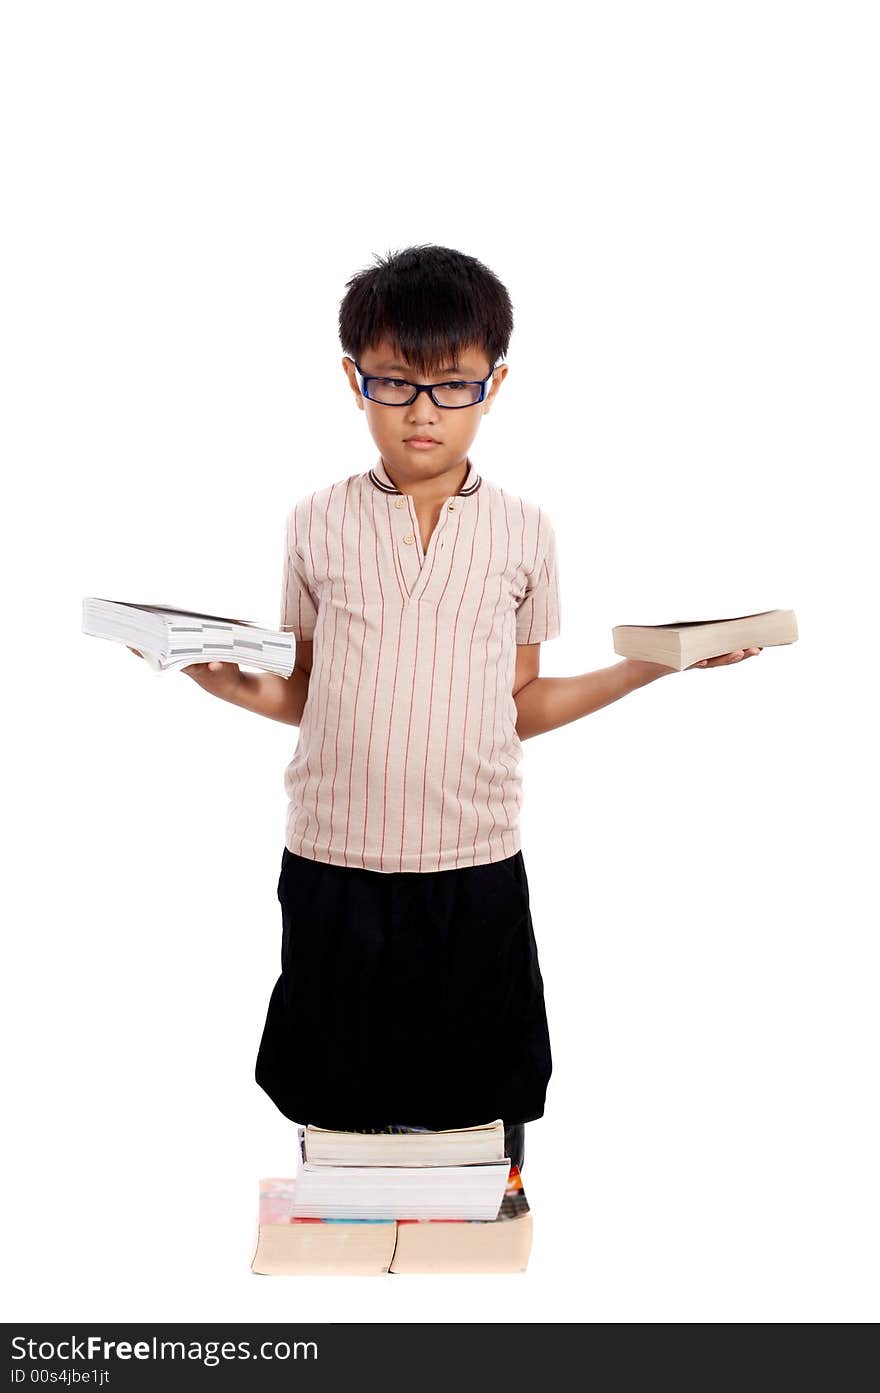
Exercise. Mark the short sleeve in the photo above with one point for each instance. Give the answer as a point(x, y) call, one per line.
point(299, 605)
point(538, 614)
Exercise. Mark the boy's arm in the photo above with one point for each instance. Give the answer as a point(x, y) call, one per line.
point(265, 693)
point(268, 693)
point(543, 703)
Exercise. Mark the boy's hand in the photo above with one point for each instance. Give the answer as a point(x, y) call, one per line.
point(220, 679)
point(647, 672)
point(723, 659)
point(217, 678)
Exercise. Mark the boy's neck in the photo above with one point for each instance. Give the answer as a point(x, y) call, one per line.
point(426, 492)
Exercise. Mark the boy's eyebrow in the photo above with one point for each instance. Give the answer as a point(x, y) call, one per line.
point(399, 367)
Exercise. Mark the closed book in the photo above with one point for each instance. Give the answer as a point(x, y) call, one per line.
point(401, 1192)
point(404, 1147)
point(171, 639)
point(448, 1245)
point(686, 641)
point(290, 1245)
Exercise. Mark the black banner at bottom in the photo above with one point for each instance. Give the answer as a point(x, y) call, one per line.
point(121, 1356)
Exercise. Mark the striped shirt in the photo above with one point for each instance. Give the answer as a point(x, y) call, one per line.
point(407, 757)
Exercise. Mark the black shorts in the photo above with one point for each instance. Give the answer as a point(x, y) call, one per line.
point(406, 998)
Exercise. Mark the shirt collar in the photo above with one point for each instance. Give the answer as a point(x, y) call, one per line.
point(378, 475)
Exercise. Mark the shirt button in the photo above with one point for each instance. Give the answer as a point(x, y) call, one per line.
point(409, 538)
point(400, 503)
point(452, 507)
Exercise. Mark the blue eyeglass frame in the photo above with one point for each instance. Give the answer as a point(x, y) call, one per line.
point(363, 379)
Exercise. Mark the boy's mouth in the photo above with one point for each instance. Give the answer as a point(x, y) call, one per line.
point(421, 442)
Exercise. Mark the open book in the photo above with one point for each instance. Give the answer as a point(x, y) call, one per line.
point(171, 639)
point(687, 641)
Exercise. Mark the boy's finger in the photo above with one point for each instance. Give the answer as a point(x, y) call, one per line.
point(199, 669)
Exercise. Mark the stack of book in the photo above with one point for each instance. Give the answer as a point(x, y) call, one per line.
point(405, 1202)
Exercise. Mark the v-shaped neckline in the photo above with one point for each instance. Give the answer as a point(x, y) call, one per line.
point(414, 582)
point(426, 556)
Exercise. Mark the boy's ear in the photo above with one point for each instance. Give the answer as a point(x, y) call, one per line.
point(348, 368)
point(500, 374)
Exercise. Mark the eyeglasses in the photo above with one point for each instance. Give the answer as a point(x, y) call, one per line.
point(396, 391)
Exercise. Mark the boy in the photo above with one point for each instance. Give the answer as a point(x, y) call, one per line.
point(419, 594)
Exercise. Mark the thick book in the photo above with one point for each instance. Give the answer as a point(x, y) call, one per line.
point(455, 1245)
point(171, 639)
point(460, 1146)
point(288, 1245)
point(686, 641)
point(401, 1192)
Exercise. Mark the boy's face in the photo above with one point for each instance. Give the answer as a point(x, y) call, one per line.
point(394, 428)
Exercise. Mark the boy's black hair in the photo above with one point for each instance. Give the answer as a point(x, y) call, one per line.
point(431, 302)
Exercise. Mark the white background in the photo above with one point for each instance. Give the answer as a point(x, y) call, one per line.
point(682, 202)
